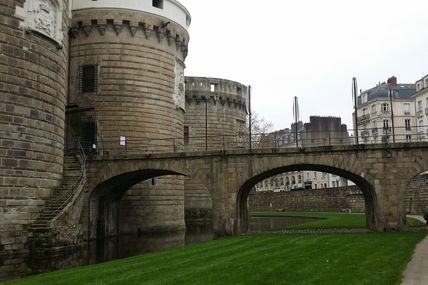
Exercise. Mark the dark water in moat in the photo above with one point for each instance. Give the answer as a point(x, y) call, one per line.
point(127, 245)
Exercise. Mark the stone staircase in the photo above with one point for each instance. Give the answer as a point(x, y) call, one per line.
point(62, 195)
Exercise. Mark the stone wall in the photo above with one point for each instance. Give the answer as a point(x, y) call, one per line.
point(139, 96)
point(214, 120)
point(33, 92)
point(331, 199)
point(417, 195)
point(215, 113)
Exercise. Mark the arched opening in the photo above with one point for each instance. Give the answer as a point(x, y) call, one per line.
point(105, 202)
point(365, 187)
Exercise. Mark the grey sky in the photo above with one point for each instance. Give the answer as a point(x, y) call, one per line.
point(307, 48)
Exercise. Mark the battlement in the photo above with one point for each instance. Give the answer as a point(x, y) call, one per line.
point(171, 10)
point(215, 90)
point(136, 24)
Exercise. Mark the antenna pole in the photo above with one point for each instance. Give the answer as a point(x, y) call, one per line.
point(354, 95)
point(249, 115)
point(296, 119)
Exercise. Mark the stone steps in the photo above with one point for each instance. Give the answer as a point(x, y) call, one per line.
point(60, 196)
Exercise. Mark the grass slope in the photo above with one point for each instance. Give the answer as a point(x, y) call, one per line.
point(329, 219)
point(372, 258)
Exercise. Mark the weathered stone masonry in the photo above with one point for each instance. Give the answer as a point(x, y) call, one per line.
point(139, 59)
point(33, 90)
point(214, 120)
point(322, 200)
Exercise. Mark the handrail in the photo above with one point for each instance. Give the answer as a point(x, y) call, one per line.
point(76, 183)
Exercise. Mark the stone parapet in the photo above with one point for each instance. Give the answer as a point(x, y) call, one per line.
point(142, 26)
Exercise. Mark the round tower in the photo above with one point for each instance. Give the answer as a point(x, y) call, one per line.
point(127, 96)
point(33, 88)
point(214, 120)
point(215, 113)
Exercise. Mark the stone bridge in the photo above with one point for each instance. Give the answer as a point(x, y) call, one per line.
point(382, 172)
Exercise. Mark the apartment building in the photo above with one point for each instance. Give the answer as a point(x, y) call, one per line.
point(386, 113)
point(421, 108)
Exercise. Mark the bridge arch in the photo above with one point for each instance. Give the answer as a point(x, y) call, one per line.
point(366, 187)
point(104, 200)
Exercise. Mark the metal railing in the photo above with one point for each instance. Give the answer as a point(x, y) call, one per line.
point(369, 135)
point(72, 189)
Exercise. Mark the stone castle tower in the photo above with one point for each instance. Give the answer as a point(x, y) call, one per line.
point(103, 74)
point(33, 94)
point(215, 119)
point(106, 77)
point(127, 96)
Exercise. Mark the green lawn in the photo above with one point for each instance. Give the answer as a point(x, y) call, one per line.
point(329, 219)
point(370, 258)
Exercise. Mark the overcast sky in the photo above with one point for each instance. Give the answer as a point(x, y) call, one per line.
point(307, 48)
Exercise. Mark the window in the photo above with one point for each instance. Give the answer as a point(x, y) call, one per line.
point(373, 109)
point(420, 105)
point(293, 180)
point(315, 174)
point(157, 4)
point(385, 124)
point(406, 108)
point(213, 87)
point(88, 78)
point(186, 135)
point(407, 124)
point(385, 107)
point(299, 179)
point(408, 138)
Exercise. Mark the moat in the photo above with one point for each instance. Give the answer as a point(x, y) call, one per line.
point(128, 245)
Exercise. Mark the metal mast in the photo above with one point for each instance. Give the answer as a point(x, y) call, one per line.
point(354, 97)
point(296, 119)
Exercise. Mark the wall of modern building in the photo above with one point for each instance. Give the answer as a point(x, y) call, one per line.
point(421, 108)
point(387, 105)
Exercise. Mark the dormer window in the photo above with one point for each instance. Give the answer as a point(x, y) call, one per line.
point(157, 4)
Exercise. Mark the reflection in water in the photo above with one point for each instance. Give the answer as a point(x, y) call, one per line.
point(103, 250)
point(127, 245)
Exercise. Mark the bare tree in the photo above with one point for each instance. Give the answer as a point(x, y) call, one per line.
point(260, 127)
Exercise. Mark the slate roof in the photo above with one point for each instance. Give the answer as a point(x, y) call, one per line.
point(400, 91)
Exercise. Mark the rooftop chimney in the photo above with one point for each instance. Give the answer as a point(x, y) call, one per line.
point(392, 81)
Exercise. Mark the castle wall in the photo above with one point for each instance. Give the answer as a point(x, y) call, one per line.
point(417, 195)
point(33, 91)
point(214, 120)
point(136, 106)
point(215, 113)
point(323, 200)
